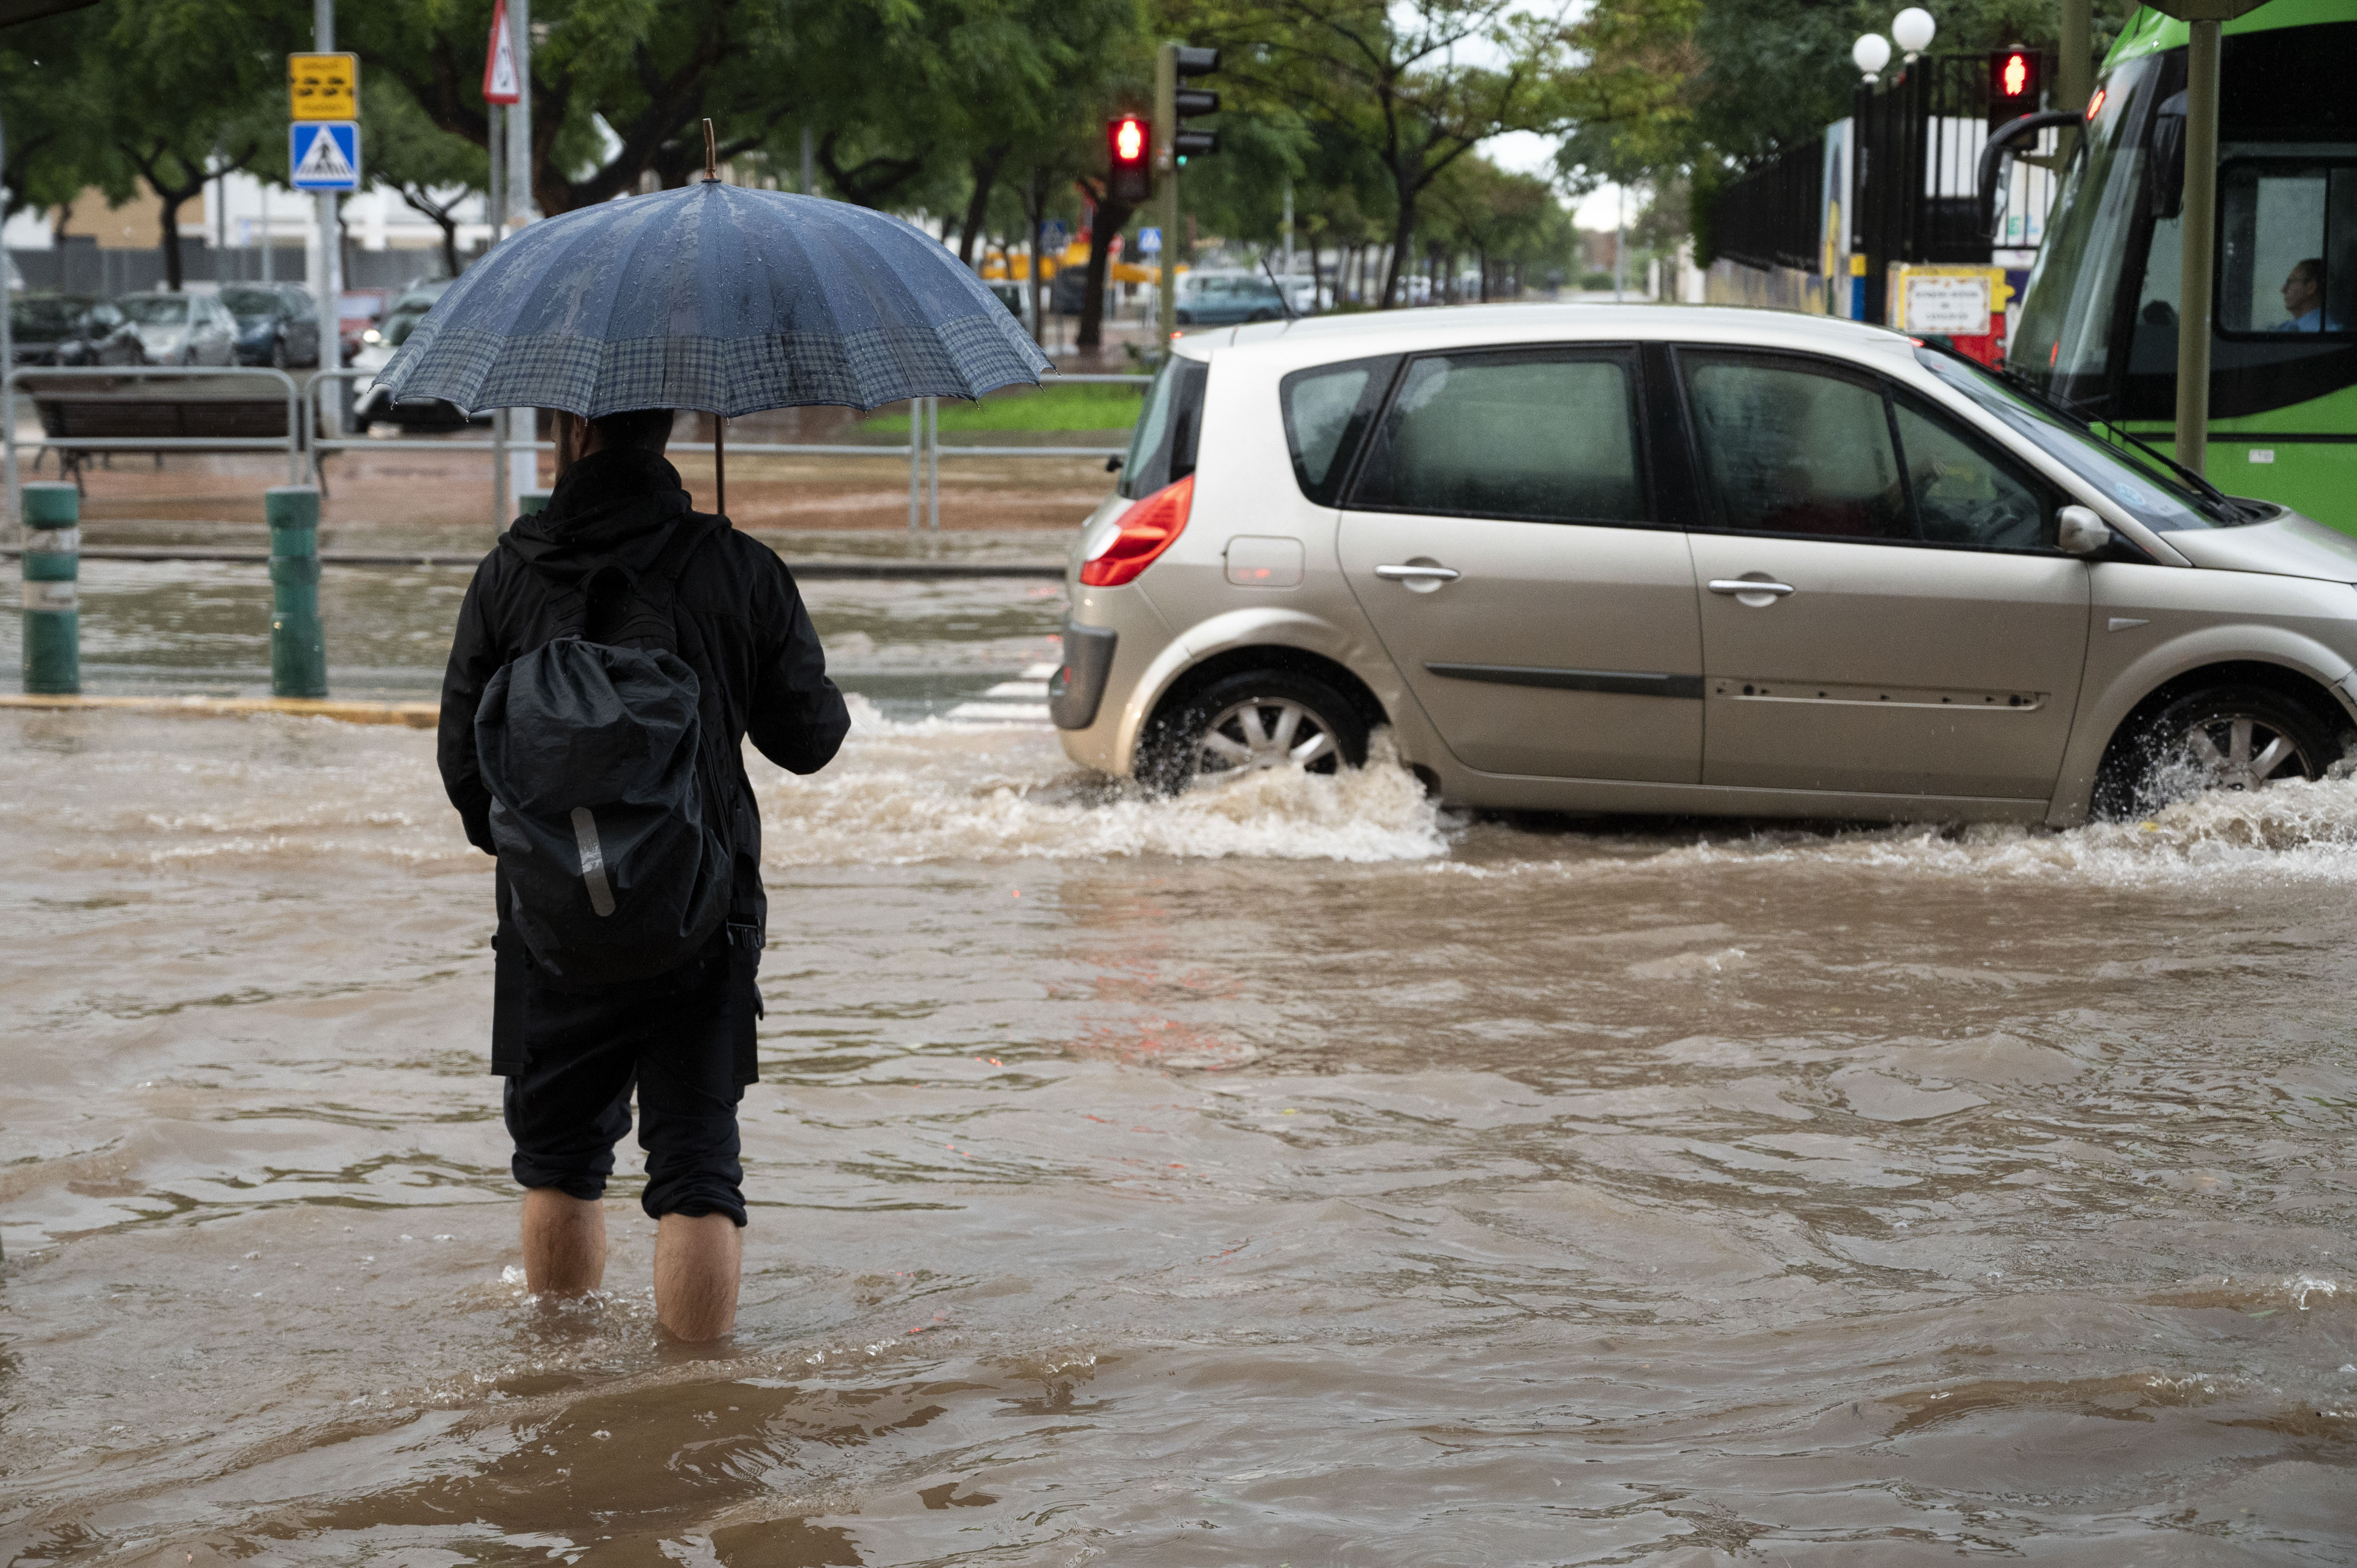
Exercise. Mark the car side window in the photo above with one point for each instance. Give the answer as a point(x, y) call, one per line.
point(1964, 493)
point(1328, 412)
point(1785, 447)
point(1532, 435)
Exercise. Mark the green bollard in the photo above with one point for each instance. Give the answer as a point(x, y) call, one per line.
point(298, 646)
point(532, 503)
point(52, 563)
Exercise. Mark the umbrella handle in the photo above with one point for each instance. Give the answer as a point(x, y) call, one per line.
point(711, 162)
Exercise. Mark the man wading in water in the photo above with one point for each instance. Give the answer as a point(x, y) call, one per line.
point(611, 657)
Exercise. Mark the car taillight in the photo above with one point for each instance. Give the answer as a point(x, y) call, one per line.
point(1145, 531)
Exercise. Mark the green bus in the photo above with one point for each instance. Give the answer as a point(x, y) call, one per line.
point(2098, 322)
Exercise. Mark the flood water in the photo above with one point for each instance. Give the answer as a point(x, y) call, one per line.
point(1286, 1175)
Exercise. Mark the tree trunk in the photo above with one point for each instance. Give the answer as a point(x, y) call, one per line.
point(1402, 235)
point(171, 210)
point(1111, 218)
point(977, 207)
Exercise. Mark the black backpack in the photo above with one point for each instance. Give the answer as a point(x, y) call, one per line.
point(611, 823)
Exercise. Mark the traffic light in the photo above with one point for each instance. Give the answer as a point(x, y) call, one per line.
point(2015, 83)
point(1129, 143)
point(1186, 101)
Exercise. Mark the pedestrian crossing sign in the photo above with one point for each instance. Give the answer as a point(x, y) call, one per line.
point(324, 154)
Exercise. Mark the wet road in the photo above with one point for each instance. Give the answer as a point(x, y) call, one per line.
point(1287, 1174)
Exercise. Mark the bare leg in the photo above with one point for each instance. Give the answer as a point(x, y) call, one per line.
point(564, 1242)
point(697, 1259)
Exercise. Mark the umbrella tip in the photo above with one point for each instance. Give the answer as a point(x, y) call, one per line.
point(711, 162)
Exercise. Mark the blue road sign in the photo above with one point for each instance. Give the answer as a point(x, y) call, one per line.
point(1149, 242)
point(1054, 236)
point(324, 154)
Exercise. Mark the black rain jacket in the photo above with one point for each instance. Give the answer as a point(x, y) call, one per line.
point(755, 654)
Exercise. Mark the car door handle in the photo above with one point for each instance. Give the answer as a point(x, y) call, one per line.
point(1423, 574)
point(1745, 585)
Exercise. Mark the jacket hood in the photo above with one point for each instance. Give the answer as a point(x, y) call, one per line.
point(609, 506)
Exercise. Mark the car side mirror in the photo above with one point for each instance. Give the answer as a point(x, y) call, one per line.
point(2079, 531)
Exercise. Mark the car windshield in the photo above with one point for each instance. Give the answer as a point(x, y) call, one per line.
point(251, 301)
point(2135, 481)
point(155, 309)
point(48, 317)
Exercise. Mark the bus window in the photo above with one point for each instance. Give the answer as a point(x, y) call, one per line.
point(2287, 246)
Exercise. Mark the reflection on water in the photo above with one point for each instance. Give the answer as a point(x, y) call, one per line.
point(1286, 1174)
point(914, 648)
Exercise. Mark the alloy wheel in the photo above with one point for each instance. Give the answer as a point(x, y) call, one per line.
point(2240, 752)
point(1263, 733)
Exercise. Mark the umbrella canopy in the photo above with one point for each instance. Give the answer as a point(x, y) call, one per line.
point(714, 297)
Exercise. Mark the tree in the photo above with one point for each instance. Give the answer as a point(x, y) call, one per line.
point(188, 98)
point(48, 104)
point(1490, 212)
point(434, 170)
point(649, 73)
point(1419, 83)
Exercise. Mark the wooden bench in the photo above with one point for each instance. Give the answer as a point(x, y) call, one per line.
point(184, 421)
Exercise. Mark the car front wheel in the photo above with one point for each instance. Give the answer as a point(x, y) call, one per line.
point(1257, 722)
point(2232, 737)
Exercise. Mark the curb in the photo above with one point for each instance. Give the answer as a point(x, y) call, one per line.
point(415, 715)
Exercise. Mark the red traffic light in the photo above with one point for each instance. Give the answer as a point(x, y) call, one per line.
point(1127, 137)
point(2013, 79)
point(1129, 140)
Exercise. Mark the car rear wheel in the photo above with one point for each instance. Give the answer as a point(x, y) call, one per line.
point(2232, 738)
point(1258, 722)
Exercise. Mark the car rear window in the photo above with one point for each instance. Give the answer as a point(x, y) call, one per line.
point(1541, 435)
point(1328, 412)
point(1162, 452)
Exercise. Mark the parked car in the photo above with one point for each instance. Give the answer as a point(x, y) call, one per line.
point(376, 349)
point(41, 325)
point(277, 323)
point(180, 329)
point(357, 310)
point(1223, 299)
point(1723, 561)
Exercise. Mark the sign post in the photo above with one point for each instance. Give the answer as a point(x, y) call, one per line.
point(503, 89)
point(323, 88)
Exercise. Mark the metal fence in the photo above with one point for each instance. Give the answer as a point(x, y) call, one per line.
point(315, 434)
point(290, 441)
point(1772, 217)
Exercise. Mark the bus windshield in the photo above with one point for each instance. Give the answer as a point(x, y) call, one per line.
point(2138, 484)
point(2064, 337)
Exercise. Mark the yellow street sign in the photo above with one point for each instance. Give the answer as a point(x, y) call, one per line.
point(324, 87)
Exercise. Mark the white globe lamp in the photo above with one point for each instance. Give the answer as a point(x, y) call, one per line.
point(1912, 31)
point(1871, 54)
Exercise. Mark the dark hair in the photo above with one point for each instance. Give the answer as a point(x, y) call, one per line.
point(644, 428)
point(2313, 266)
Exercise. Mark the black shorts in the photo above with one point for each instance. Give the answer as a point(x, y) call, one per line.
point(683, 1041)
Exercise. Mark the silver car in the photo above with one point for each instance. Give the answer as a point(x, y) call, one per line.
point(1605, 558)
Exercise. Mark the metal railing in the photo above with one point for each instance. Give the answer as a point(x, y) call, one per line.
point(310, 430)
point(291, 442)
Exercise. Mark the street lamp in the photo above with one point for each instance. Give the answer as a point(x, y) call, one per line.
point(1912, 31)
point(1871, 54)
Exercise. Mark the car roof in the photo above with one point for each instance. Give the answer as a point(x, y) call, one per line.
point(1318, 339)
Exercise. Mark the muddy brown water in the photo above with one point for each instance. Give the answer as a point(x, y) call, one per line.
point(1289, 1174)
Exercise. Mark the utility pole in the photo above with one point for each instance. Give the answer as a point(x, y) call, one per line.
point(2074, 71)
point(2198, 259)
point(1165, 191)
point(7, 358)
point(328, 281)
